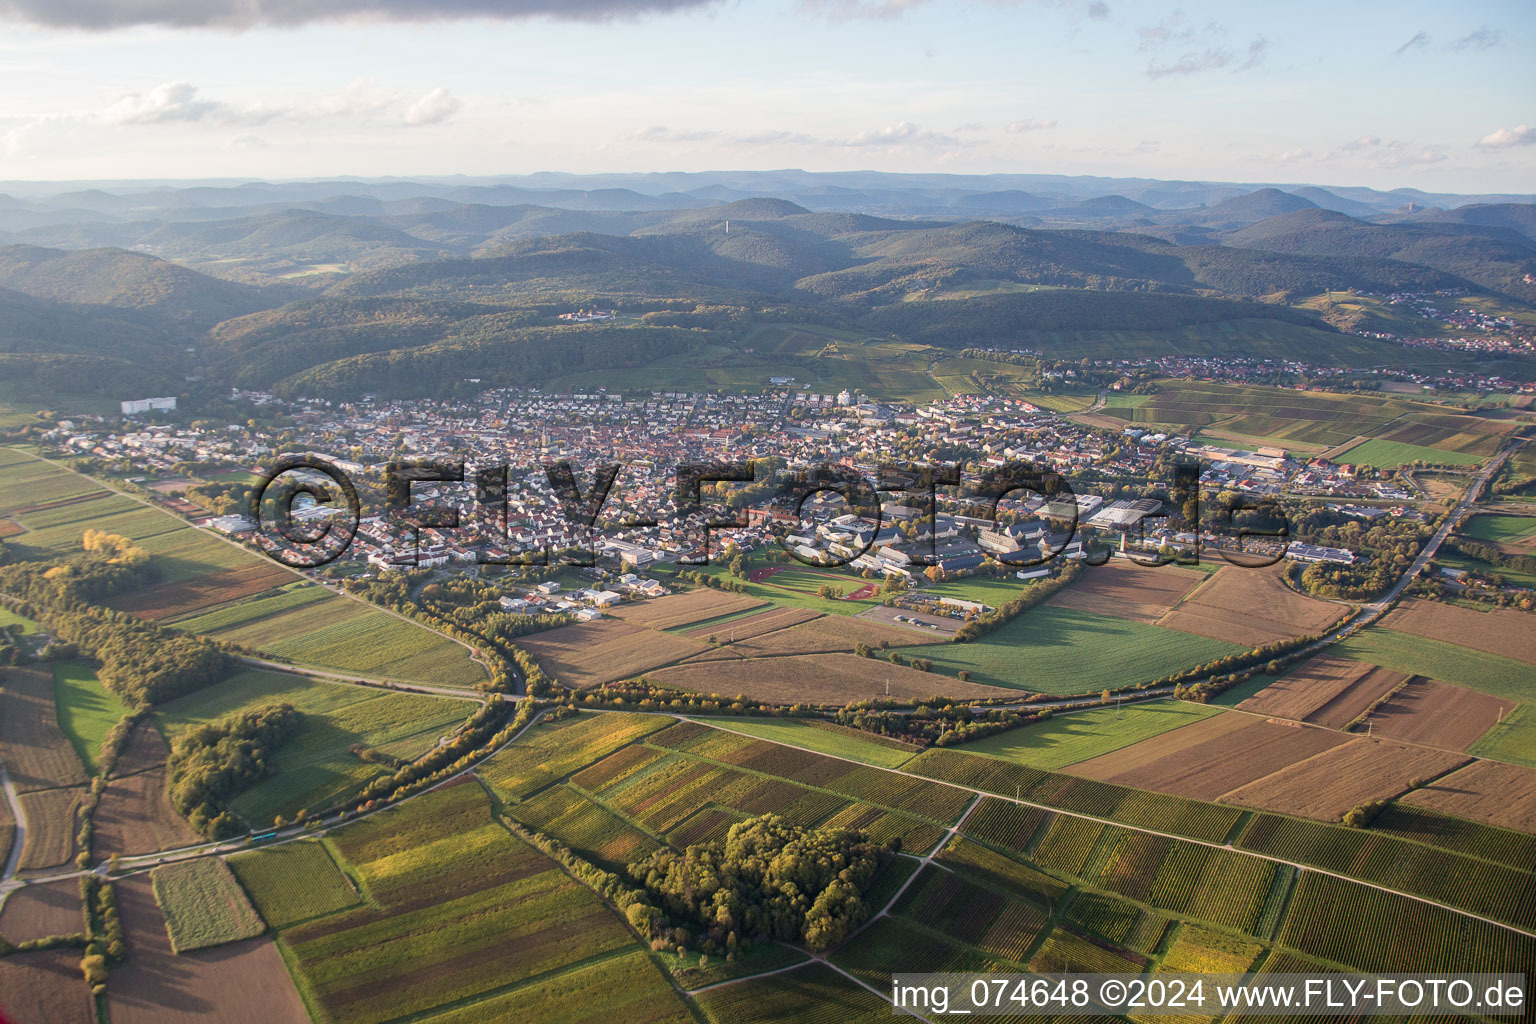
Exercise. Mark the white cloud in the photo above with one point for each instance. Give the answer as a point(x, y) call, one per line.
point(435, 107)
point(1503, 138)
point(1029, 125)
point(248, 142)
point(170, 102)
point(1188, 50)
point(1363, 142)
point(1417, 41)
point(901, 136)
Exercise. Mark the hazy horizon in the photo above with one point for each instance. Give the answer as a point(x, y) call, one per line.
point(1376, 95)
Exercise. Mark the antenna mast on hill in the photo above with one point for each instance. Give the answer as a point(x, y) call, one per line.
point(727, 227)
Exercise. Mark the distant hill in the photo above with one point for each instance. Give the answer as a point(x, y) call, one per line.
point(1476, 259)
point(127, 281)
point(1240, 211)
point(53, 346)
point(1519, 218)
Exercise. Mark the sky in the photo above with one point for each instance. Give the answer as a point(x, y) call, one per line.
point(1393, 94)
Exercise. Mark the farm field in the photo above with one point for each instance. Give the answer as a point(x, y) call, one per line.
point(814, 994)
point(42, 910)
point(198, 570)
point(817, 679)
point(685, 609)
point(1515, 533)
point(1513, 739)
point(1324, 690)
point(1063, 650)
point(86, 710)
point(1437, 659)
point(187, 597)
point(316, 767)
point(1210, 758)
point(451, 885)
point(46, 986)
point(589, 654)
point(1329, 784)
point(158, 986)
point(1383, 454)
point(554, 751)
point(1441, 715)
point(1126, 590)
point(294, 882)
point(1487, 791)
point(52, 822)
point(829, 634)
point(1504, 632)
point(36, 752)
point(251, 609)
point(135, 813)
point(1065, 739)
point(203, 905)
point(624, 987)
point(1249, 607)
point(822, 737)
point(744, 627)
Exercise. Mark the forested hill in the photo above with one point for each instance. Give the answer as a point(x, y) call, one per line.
point(421, 296)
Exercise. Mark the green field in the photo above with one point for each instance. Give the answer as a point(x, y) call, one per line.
point(1513, 739)
point(253, 608)
point(203, 905)
point(1417, 655)
point(1065, 739)
point(1499, 529)
point(316, 766)
point(318, 628)
point(834, 741)
point(1383, 454)
point(463, 911)
point(9, 619)
point(1061, 650)
point(294, 882)
point(86, 710)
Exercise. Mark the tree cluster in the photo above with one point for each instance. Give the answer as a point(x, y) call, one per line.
point(211, 763)
point(767, 880)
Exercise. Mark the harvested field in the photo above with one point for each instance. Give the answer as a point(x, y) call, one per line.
point(1329, 784)
point(1249, 607)
point(38, 911)
point(183, 597)
point(36, 752)
point(1486, 791)
point(1325, 691)
point(156, 986)
point(593, 653)
point(51, 826)
point(686, 608)
point(47, 987)
point(1126, 590)
point(824, 679)
point(748, 626)
point(828, 635)
point(1502, 631)
point(135, 816)
point(1439, 715)
point(1210, 758)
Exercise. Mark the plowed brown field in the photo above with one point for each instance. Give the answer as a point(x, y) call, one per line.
point(1342, 777)
point(1126, 590)
point(682, 609)
point(1438, 714)
point(1502, 631)
point(820, 679)
point(1487, 791)
point(593, 653)
point(1249, 607)
point(1209, 758)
